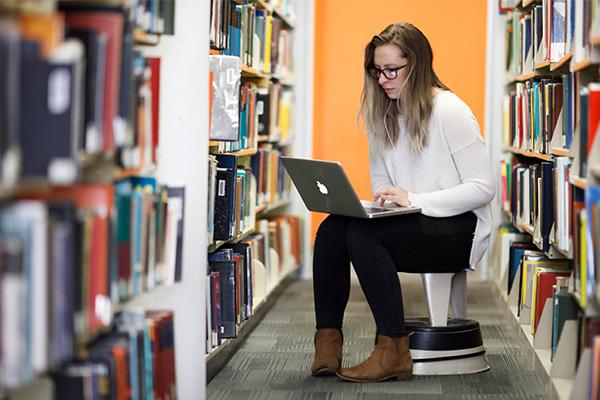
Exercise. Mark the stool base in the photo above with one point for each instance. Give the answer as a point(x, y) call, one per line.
point(455, 349)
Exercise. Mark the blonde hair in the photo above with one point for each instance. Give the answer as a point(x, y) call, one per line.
point(416, 97)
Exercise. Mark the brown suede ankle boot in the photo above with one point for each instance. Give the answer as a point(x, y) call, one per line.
point(328, 352)
point(390, 359)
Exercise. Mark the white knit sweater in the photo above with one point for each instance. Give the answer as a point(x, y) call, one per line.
point(452, 175)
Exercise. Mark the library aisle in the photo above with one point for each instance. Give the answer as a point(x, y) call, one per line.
point(273, 363)
point(150, 235)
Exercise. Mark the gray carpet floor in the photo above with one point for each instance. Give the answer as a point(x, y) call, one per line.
point(273, 363)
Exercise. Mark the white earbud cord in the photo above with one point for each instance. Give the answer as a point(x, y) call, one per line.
point(393, 175)
point(387, 132)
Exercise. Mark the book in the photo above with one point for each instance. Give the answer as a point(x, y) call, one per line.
point(558, 30)
point(46, 29)
point(227, 273)
point(225, 103)
point(113, 349)
point(50, 91)
point(28, 221)
point(212, 182)
point(517, 249)
point(584, 109)
point(80, 378)
point(215, 302)
point(94, 204)
point(546, 203)
point(543, 281)
point(95, 56)
point(244, 251)
point(154, 64)
point(225, 192)
point(595, 370)
point(531, 260)
point(176, 208)
point(166, 16)
point(17, 298)
point(593, 115)
point(110, 23)
point(592, 239)
point(123, 233)
point(61, 273)
point(10, 83)
point(565, 308)
point(125, 122)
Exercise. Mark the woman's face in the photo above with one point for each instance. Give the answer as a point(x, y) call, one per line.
point(391, 61)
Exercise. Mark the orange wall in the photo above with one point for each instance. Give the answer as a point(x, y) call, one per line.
point(456, 30)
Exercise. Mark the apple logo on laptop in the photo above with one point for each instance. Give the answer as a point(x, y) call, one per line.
point(322, 188)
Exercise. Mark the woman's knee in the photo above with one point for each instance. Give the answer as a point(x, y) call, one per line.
point(332, 228)
point(358, 232)
point(363, 246)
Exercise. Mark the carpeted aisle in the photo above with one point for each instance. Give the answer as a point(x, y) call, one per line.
point(273, 363)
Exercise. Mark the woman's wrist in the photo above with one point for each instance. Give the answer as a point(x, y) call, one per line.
point(413, 199)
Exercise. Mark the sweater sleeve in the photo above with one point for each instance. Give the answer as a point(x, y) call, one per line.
point(377, 169)
point(468, 152)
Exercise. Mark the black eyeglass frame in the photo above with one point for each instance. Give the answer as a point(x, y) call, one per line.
point(375, 72)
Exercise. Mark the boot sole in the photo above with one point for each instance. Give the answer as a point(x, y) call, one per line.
point(325, 372)
point(400, 377)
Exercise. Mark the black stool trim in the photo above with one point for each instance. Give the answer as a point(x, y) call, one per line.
point(427, 360)
point(458, 335)
point(448, 341)
point(422, 324)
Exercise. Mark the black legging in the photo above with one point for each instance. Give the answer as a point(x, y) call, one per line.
point(378, 250)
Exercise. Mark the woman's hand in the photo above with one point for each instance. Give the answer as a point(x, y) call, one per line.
point(394, 194)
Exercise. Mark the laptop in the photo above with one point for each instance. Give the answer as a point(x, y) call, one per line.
point(324, 187)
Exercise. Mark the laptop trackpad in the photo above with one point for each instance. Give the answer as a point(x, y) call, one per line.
point(372, 206)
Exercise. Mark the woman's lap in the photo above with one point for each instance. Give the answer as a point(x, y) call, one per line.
point(418, 243)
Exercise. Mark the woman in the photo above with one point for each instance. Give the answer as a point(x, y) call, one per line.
point(426, 150)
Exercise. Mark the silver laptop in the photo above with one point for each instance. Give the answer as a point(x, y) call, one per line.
point(324, 187)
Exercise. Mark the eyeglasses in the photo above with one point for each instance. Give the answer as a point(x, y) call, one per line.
point(389, 73)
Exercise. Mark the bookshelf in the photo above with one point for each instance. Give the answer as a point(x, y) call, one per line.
point(184, 67)
point(214, 246)
point(250, 72)
point(564, 61)
point(267, 208)
point(267, 137)
point(532, 154)
point(562, 386)
point(527, 229)
point(181, 161)
point(552, 252)
point(583, 65)
point(284, 18)
point(526, 77)
point(545, 147)
point(182, 56)
point(219, 357)
point(262, 5)
point(581, 183)
point(241, 153)
point(560, 152)
point(529, 3)
point(145, 38)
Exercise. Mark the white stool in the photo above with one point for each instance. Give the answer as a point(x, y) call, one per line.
point(442, 346)
point(444, 289)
